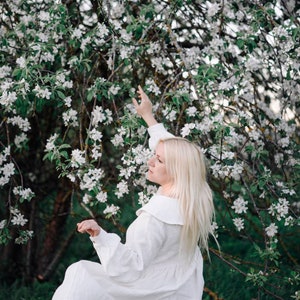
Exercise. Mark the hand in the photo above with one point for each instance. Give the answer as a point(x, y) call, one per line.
point(89, 226)
point(144, 109)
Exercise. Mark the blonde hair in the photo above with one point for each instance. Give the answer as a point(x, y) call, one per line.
point(185, 163)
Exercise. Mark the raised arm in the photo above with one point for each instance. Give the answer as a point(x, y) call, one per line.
point(144, 108)
point(156, 130)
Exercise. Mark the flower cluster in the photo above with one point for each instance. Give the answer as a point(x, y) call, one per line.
point(7, 168)
point(227, 79)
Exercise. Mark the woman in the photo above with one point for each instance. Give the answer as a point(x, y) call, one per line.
point(161, 258)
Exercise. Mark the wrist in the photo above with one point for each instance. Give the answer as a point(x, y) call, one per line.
point(150, 120)
point(95, 233)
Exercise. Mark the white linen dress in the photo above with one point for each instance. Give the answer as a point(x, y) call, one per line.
point(148, 266)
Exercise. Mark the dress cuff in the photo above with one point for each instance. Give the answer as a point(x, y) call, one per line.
point(105, 239)
point(159, 127)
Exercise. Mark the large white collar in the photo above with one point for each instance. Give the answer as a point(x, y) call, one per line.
point(164, 209)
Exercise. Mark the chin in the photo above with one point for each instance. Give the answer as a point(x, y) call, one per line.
point(148, 177)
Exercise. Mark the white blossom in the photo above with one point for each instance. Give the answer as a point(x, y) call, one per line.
point(280, 209)
point(47, 57)
point(18, 219)
point(118, 140)
point(271, 230)
point(61, 81)
point(91, 179)
point(125, 36)
point(2, 224)
point(122, 188)
point(20, 139)
point(77, 33)
point(214, 228)
point(4, 180)
point(126, 51)
point(96, 153)
point(102, 30)
point(50, 145)
point(26, 194)
point(287, 191)
point(5, 71)
point(143, 198)
point(152, 87)
point(24, 237)
point(86, 199)
point(108, 115)
point(170, 115)
point(85, 42)
point(7, 170)
point(42, 92)
point(68, 101)
point(225, 85)
point(21, 61)
point(101, 197)
point(44, 16)
point(6, 86)
point(98, 115)
point(71, 177)
point(238, 223)
point(70, 117)
point(278, 157)
point(284, 142)
point(8, 98)
point(78, 158)
point(127, 172)
point(254, 134)
point(288, 221)
point(212, 9)
point(23, 124)
point(185, 131)
point(154, 48)
point(253, 64)
point(240, 205)
point(113, 90)
point(111, 209)
point(191, 111)
point(42, 36)
point(236, 170)
point(4, 155)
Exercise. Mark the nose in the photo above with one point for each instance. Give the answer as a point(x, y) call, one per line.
point(151, 161)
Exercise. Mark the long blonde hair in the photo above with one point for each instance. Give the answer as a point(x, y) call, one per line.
point(185, 163)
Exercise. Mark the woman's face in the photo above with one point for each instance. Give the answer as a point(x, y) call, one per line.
point(157, 172)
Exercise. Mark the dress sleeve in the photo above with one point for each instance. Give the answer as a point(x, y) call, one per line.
point(126, 262)
point(157, 132)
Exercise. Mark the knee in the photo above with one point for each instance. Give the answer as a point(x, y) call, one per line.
point(75, 267)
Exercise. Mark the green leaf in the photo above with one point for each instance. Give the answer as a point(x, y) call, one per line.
point(90, 95)
point(240, 43)
point(61, 95)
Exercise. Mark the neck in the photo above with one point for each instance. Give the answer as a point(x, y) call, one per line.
point(165, 190)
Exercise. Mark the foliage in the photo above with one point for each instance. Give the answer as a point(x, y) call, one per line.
point(224, 74)
point(17, 291)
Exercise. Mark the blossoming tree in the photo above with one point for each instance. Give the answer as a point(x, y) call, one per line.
point(224, 74)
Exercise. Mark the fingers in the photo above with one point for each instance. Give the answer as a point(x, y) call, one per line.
point(141, 91)
point(144, 107)
point(135, 103)
point(89, 226)
point(86, 225)
point(142, 95)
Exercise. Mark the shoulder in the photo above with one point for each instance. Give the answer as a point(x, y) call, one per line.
point(156, 133)
point(164, 209)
